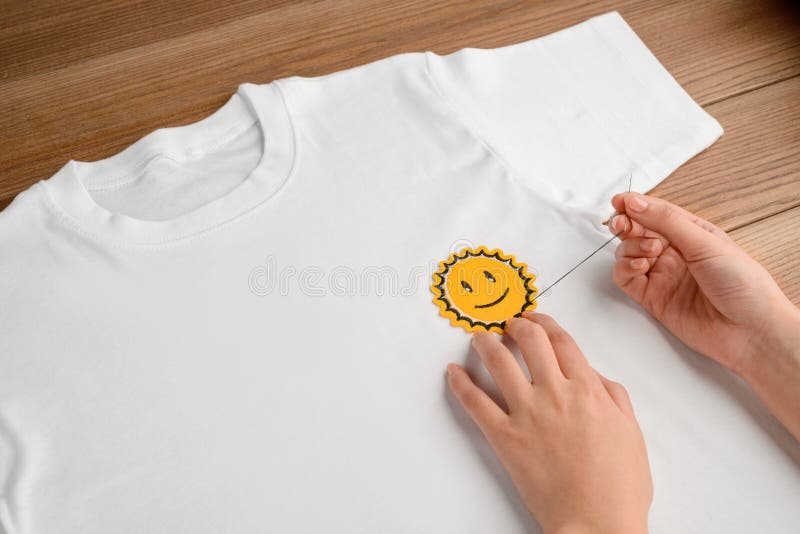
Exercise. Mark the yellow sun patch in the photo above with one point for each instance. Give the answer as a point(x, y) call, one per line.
point(478, 289)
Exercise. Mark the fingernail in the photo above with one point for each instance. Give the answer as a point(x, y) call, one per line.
point(649, 245)
point(638, 263)
point(617, 223)
point(529, 314)
point(451, 368)
point(637, 203)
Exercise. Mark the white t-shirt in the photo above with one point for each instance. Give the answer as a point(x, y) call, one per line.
point(228, 327)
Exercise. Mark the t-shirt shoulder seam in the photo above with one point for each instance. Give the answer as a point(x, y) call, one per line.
point(513, 173)
point(451, 105)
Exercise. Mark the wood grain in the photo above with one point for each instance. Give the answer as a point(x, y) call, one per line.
point(83, 80)
point(775, 243)
point(753, 171)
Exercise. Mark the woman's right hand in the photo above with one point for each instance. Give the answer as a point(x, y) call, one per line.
point(693, 278)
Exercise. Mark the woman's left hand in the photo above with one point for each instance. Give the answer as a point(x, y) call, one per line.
point(569, 440)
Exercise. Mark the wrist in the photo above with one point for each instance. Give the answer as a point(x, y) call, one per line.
point(774, 371)
point(577, 528)
point(776, 348)
point(592, 530)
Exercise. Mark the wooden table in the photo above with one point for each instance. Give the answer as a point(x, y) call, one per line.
point(83, 80)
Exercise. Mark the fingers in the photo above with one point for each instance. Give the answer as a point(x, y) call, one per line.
point(570, 359)
point(503, 367)
point(630, 275)
point(618, 394)
point(536, 350)
point(695, 238)
point(618, 202)
point(483, 410)
point(639, 247)
point(635, 257)
point(625, 228)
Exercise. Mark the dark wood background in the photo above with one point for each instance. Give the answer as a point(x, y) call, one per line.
point(83, 80)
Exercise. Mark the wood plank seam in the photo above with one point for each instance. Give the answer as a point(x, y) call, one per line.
point(749, 90)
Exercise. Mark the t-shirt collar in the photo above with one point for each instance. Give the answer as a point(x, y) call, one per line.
point(263, 104)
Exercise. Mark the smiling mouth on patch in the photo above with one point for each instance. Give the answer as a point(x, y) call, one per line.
point(498, 301)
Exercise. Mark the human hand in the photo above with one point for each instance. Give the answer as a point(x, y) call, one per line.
point(569, 441)
point(693, 278)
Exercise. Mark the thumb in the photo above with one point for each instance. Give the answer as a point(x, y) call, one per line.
point(679, 227)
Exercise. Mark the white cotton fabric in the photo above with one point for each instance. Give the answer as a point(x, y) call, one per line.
point(228, 327)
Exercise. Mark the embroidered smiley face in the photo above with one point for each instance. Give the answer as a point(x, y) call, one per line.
point(478, 289)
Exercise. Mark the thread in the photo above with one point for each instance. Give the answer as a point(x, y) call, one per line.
point(587, 258)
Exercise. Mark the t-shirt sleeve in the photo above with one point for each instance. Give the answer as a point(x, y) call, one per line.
point(573, 113)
